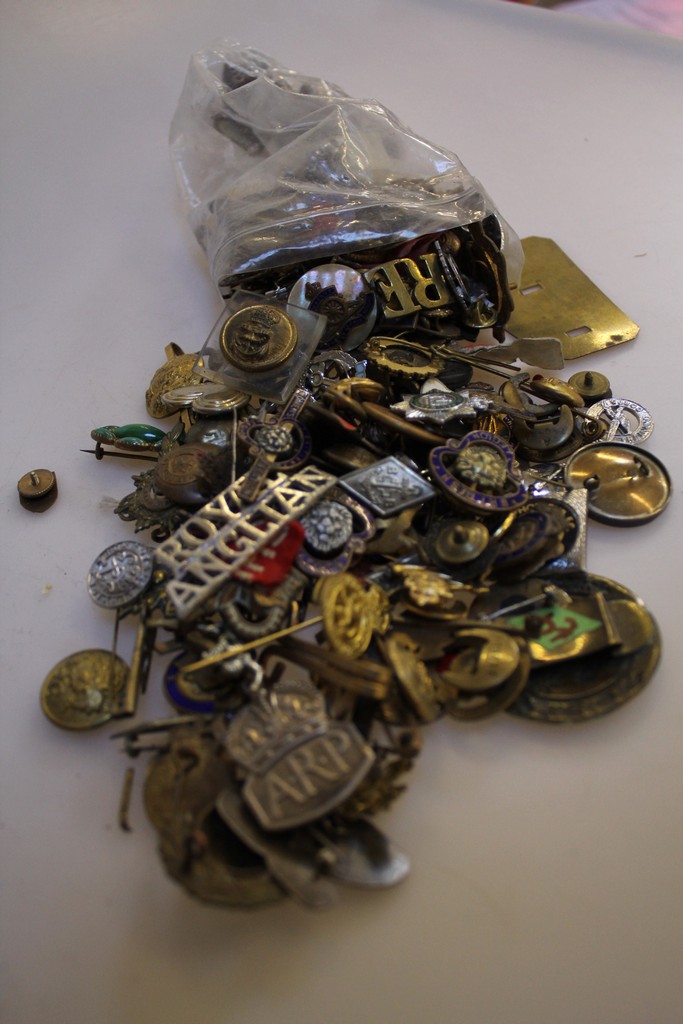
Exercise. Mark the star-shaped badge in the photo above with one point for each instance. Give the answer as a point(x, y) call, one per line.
point(437, 404)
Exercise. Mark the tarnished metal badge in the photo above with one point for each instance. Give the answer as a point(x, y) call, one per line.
point(300, 765)
point(388, 486)
point(120, 573)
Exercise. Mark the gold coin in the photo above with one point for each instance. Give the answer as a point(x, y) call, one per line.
point(258, 337)
point(81, 690)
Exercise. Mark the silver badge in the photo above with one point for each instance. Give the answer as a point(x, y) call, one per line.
point(328, 527)
point(293, 865)
point(214, 544)
point(300, 765)
point(437, 404)
point(120, 574)
point(627, 421)
point(388, 487)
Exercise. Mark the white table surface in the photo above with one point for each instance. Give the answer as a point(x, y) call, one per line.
point(546, 883)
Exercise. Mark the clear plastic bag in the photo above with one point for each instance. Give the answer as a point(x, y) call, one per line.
point(276, 167)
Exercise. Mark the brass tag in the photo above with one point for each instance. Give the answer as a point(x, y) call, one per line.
point(556, 300)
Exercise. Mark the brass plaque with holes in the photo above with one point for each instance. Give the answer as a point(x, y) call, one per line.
point(556, 300)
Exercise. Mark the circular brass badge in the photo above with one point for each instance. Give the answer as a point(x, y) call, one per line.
point(258, 337)
point(417, 686)
point(403, 358)
point(81, 690)
point(347, 614)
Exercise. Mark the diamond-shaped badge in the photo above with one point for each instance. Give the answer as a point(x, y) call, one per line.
point(388, 487)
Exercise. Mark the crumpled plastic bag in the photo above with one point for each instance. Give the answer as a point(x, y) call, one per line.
point(277, 167)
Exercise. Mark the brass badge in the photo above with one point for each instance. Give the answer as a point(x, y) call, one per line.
point(177, 371)
point(410, 286)
point(349, 615)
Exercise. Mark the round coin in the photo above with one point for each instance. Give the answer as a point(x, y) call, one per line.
point(258, 338)
point(81, 690)
point(120, 574)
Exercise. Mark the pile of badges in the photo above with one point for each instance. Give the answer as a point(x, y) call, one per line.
point(366, 517)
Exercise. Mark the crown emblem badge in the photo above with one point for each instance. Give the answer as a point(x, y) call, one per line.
point(299, 764)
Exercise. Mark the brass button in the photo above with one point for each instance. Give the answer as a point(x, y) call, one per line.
point(37, 489)
point(258, 338)
point(626, 486)
point(189, 474)
point(462, 542)
point(591, 385)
